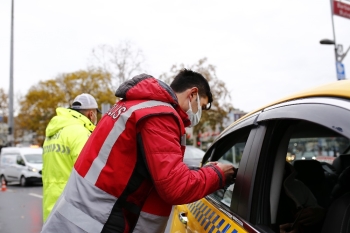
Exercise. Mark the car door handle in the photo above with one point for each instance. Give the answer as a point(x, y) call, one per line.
point(183, 217)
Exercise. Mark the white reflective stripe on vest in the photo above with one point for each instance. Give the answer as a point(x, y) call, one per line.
point(118, 128)
point(78, 217)
point(150, 223)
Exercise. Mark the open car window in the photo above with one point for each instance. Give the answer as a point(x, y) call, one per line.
point(229, 150)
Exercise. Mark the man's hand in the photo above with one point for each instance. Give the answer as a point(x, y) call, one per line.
point(228, 170)
point(305, 217)
point(286, 228)
point(311, 215)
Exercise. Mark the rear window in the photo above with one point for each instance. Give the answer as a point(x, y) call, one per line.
point(34, 158)
point(323, 149)
point(8, 159)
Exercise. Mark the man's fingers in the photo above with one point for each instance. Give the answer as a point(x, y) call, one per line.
point(213, 163)
point(311, 216)
point(285, 227)
point(307, 221)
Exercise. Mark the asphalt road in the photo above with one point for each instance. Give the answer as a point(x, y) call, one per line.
point(21, 209)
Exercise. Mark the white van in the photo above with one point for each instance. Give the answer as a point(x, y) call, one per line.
point(21, 164)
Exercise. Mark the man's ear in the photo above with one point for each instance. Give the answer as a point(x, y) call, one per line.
point(90, 113)
point(193, 91)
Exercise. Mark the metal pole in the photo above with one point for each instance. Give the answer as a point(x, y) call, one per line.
point(11, 119)
point(344, 54)
point(334, 39)
point(335, 44)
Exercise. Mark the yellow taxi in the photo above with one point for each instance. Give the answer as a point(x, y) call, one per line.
point(279, 179)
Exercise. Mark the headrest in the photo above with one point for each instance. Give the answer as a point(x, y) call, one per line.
point(341, 162)
point(344, 177)
point(309, 170)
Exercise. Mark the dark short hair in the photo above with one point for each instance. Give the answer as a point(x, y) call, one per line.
point(186, 79)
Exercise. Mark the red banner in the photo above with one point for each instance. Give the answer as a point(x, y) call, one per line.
point(341, 9)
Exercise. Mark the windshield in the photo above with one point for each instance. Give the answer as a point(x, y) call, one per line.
point(324, 149)
point(34, 158)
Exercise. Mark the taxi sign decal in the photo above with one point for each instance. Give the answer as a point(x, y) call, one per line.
point(203, 214)
point(206, 226)
point(215, 219)
point(220, 223)
point(211, 229)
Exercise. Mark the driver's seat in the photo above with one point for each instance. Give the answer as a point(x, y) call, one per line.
point(338, 216)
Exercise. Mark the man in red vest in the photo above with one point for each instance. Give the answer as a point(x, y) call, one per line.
point(131, 171)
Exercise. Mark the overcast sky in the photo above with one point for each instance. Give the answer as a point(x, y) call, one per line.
point(263, 50)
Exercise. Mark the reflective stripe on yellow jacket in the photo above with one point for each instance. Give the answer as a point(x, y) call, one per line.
point(66, 135)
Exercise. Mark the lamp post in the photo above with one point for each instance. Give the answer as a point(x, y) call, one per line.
point(11, 118)
point(339, 56)
point(338, 49)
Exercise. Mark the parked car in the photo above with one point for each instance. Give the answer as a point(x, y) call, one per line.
point(260, 144)
point(21, 164)
point(193, 156)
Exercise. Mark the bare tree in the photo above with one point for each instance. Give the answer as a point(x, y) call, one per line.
point(3, 103)
point(122, 61)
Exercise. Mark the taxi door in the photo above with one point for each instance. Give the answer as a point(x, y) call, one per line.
point(225, 210)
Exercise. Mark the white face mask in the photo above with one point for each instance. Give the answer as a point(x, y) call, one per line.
point(194, 117)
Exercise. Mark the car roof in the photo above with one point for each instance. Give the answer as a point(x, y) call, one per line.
point(24, 150)
point(340, 89)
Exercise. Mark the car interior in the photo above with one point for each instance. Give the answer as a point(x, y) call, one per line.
point(307, 141)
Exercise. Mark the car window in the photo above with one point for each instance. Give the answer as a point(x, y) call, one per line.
point(234, 154)
point(20, 160)
point(298, 176)
point(8, 160)
point(229, 150)
point(324, 149)
point(34, 158)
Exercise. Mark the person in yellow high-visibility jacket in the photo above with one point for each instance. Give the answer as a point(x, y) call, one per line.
point(66, 135)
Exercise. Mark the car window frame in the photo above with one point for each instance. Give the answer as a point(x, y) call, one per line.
point(242, 196)
point(328, 113)
point(265, 170)
point(247, 122)
point(236, 211)
point(240, 200)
